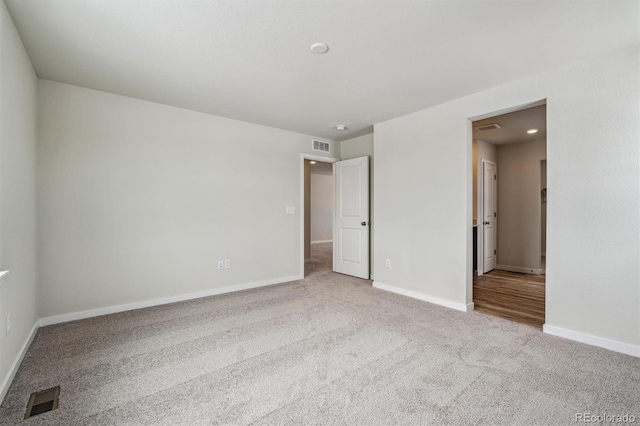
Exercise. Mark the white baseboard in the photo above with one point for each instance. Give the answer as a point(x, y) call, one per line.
point(519, 269)
point(321, 241)
point(601, 342)
point(425, 297)
point(16, 363)
point(162, 301)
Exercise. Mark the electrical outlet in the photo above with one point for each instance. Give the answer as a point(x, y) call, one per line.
point(8, 324)
point(387, 263)
point(220, 264)
point(227, 263)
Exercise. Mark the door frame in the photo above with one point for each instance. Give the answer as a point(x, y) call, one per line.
point(469, 215)
point(311, 157)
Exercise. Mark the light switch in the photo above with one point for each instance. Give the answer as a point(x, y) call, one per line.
point(291, 209)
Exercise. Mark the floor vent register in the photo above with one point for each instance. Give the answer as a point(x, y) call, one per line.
point(43, 401)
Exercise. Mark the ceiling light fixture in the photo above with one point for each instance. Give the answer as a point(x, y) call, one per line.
point(312, 162)
point(532, 131)
point(319, 48)
point(341, 127)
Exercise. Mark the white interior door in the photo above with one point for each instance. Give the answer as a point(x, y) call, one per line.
point(489, 214)
point(351, 228)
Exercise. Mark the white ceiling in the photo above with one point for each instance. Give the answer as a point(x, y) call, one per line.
point(250, 60)
point(514, 126)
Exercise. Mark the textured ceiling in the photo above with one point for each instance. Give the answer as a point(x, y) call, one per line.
point(514, 126)
point(250, 60)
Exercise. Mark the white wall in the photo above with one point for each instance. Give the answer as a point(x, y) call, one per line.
point(18, 85)
point(519, 219)
point(138, 200)
point(322, 189)
point(357, 147)
point(481, 151)
point(362, 146)
point(424, 196)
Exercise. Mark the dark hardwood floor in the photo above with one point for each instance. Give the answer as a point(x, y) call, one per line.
point(510, 295)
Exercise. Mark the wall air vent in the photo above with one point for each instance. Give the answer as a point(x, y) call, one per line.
point(486, 127)
point(321, 146)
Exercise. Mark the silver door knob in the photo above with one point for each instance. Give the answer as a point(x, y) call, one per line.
point(487, 223)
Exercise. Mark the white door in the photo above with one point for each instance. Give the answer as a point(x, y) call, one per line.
point(351, 228)
point(489, 213)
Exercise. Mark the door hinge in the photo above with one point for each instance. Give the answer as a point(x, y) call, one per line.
point(495, 252)
point(495, 177)
point(495, 214)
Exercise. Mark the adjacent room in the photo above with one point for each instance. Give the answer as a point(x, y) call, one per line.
point(318, 219)
point(509, 183)
point(274, 212)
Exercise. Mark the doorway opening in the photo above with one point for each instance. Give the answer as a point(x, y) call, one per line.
point(305, 209)
point(509, 214)
point(350, 217)
point(319, 197)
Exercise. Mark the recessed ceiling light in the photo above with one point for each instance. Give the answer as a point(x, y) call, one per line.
point(319, 48)
point(312, 162)
point(341, 127)
point(532, 131)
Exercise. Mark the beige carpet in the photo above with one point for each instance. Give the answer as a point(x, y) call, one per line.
point(326, 350)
